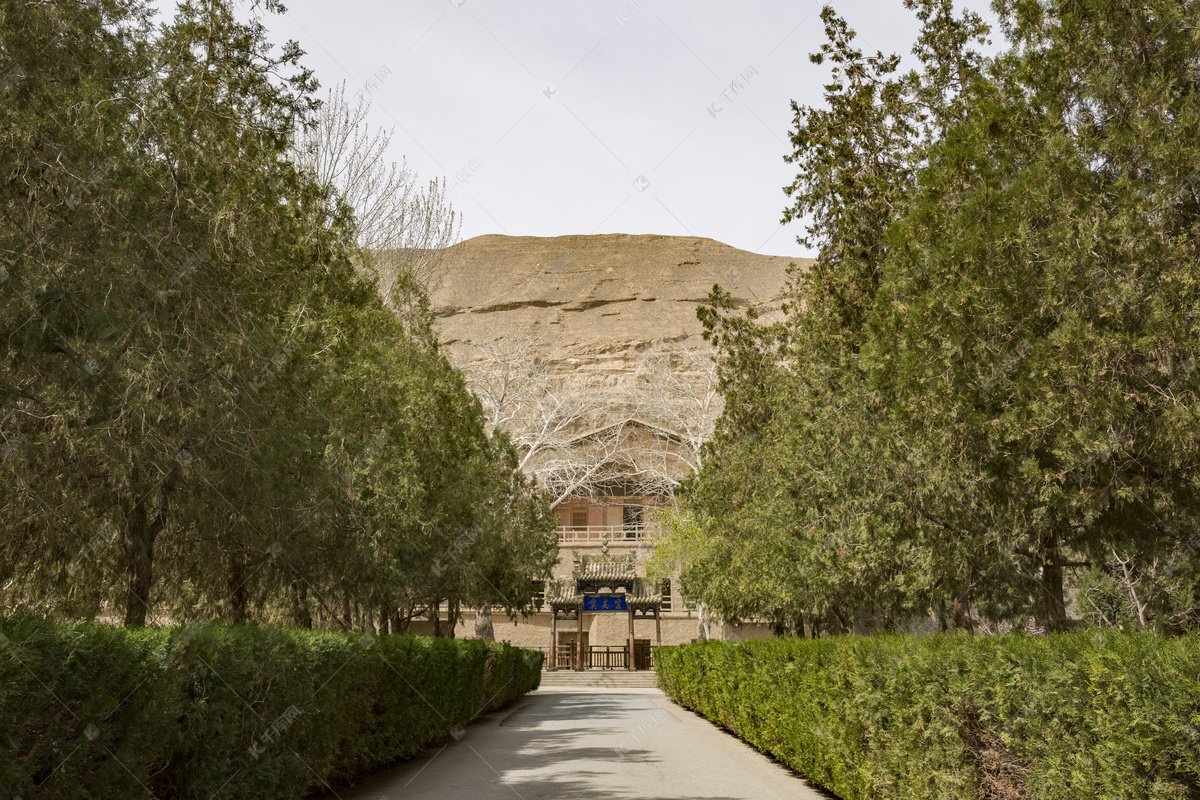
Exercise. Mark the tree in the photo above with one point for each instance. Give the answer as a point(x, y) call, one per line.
point(677, 389)
point(403, 230)
point(206, 408)
point(803, 483)
point(544, 412)
point(1063, 382)
point(985, 382)
point(575, 433)
point(125, 374)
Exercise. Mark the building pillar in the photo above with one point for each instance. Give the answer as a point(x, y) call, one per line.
point(579, 641)
point(658, 627)
point(552, 658)
point(632, 665)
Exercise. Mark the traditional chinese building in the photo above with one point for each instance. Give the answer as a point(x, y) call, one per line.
point(600, 607)
point(595, 306)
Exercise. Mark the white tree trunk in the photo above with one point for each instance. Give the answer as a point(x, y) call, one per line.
point(483, 624)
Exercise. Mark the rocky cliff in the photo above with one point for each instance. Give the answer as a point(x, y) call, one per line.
point(594, 302)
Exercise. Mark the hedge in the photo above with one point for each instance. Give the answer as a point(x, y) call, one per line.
point(231, 712)
point(1064, 717)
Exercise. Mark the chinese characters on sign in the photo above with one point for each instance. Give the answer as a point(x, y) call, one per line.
point(606, 603)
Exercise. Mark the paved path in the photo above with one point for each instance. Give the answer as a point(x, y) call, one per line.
point(571, 744)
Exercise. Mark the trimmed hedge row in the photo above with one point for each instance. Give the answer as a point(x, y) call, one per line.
point(1065, 717)
point(222, 712)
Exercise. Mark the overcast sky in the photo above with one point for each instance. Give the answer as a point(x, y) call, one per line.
point(607, 116)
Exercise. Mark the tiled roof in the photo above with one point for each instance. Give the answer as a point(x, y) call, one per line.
point(607, 570)
point(633, 422)
point(644, 597)
point(563, 593)
point(618, 573)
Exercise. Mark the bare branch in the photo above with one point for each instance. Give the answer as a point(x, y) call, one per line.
point(402, 228)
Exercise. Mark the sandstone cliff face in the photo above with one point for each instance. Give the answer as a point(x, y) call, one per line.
point(595, 302)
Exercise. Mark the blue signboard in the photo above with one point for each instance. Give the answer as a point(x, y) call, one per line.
point(612, 602)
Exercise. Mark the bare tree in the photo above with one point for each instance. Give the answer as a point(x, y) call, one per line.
point(506, 375)
point(402, 227)
point(556, 420)
point(575, 433)
point(1125, 575)
point(677, 391)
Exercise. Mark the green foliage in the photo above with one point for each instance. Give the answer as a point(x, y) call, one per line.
point(987, 382)
point(212, 711)
point(204, 407)
point(1086, 714)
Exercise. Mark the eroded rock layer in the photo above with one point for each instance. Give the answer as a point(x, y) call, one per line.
point(595, 302)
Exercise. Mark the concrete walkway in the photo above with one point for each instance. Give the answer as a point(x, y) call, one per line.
point(572, 744)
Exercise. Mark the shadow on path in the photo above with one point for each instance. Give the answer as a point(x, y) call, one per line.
point(589, 744)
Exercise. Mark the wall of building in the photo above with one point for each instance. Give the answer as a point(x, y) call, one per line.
point(607, 510)
point(602, 629)
point(679, 626)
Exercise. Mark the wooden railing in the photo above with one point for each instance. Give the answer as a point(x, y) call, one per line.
point(594, 533)
point(601, 657)
point(597, 656)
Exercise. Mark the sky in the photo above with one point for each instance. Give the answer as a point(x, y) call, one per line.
point(549, 118)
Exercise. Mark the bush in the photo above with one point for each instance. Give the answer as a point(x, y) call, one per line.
point(220, 712)
point(1103, 715)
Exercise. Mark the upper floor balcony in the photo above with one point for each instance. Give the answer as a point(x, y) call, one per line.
point(631, 532)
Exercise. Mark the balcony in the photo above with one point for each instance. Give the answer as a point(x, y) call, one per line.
point(596, 533)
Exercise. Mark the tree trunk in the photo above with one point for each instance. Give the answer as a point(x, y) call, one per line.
point(843, 624)
point(452, 619)
point(139, 558)
point(1052, 584)
point(239, 596)
point(483, 624)
point(961, 609)
point(301, 616)
point(436, 615)
point(140, 532)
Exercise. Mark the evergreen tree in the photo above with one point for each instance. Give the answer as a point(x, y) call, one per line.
point(987, 380)
point(205, 408)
